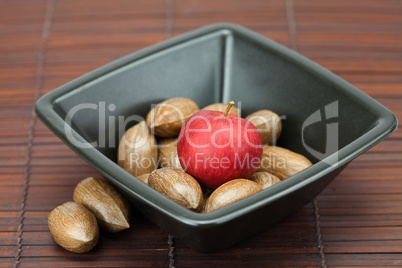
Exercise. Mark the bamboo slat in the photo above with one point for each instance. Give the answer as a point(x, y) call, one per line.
point(357, 218)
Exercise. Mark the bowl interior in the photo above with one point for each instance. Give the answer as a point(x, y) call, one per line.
point(218, 67)
point(124, 97)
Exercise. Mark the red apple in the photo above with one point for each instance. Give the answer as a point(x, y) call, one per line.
point(216, 147)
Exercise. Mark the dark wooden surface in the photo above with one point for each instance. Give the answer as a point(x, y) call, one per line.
point(355, 221)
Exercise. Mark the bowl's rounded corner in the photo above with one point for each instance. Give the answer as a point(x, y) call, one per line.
point(394, 123)
point(40, 106)
point(387, 123)
point(226, 28)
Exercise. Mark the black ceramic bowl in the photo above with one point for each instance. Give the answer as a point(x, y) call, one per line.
point(324, 118)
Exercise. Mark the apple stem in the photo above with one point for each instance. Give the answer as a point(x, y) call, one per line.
point(228, 108)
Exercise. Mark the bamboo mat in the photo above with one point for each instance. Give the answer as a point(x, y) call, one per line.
point(355, 221)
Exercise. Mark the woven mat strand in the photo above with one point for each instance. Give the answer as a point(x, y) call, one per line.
point(355, 221)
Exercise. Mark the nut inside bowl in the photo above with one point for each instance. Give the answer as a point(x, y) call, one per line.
point(324, 118)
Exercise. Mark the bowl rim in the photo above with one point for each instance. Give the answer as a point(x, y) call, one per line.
point(386, 124)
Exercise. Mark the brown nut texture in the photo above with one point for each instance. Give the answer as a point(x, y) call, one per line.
point(167, 153)
point(231, 192)
point(221, 107)
point(268, 125)
point(73, 227)
point(105, 202)
point(137, 152)
point(265, 179)
point(144, 177)
point(204, 201)
point(167, 118)
point(178, 186)
point(282, 162)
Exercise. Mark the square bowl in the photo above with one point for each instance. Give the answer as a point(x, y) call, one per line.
point(324, 118)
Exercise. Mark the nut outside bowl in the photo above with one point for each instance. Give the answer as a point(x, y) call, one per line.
point(214, 64)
